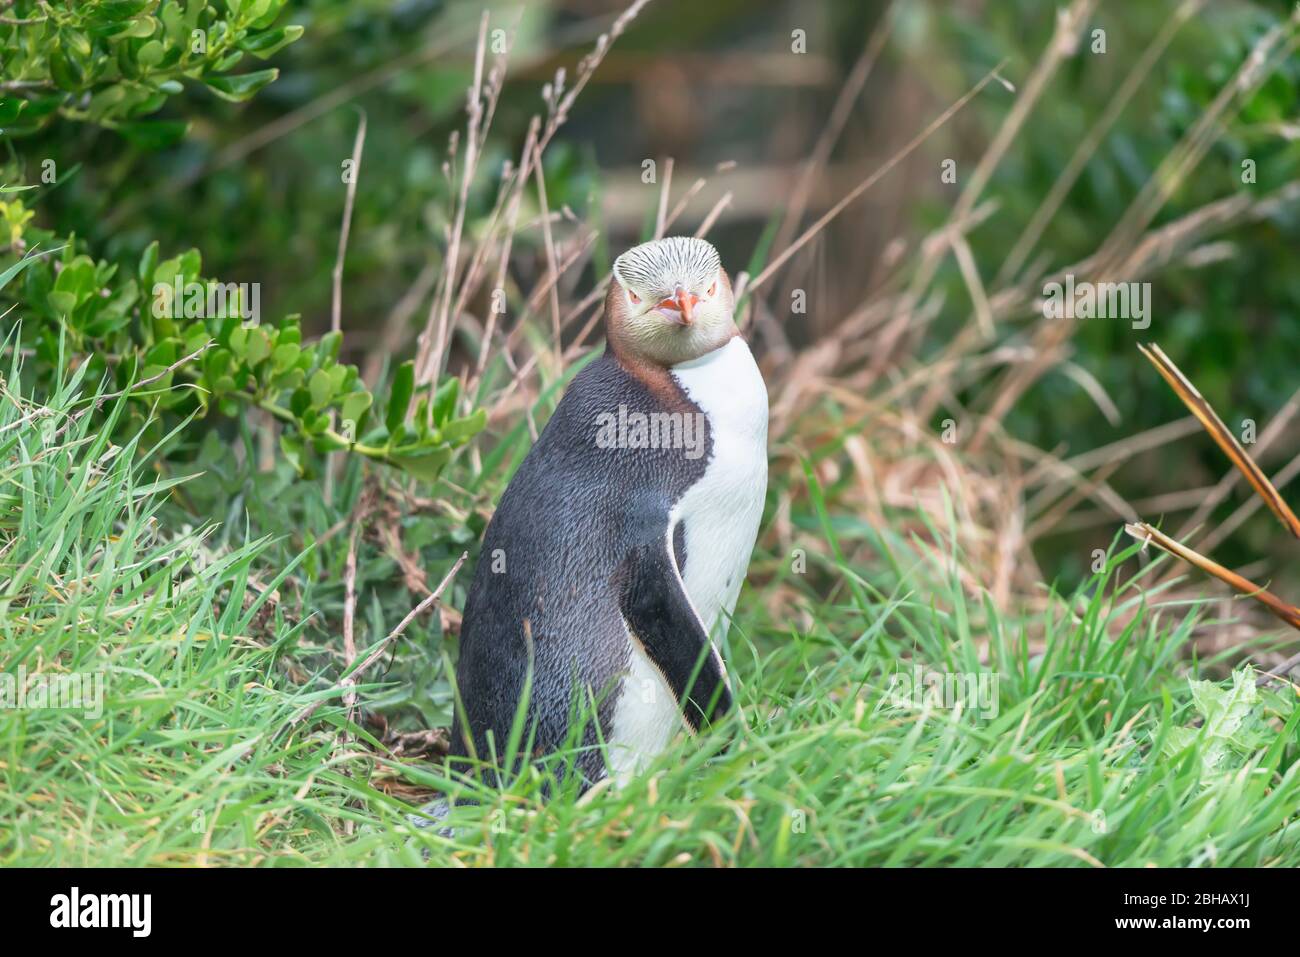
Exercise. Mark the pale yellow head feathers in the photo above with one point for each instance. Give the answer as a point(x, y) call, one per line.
point(670, 302)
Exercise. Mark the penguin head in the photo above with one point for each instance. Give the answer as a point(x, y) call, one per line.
point(670, 301)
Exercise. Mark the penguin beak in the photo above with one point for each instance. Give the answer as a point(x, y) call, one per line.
point(680, 307)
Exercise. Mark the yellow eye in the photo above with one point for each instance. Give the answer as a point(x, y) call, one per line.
point(636, 300)
point(713, 288)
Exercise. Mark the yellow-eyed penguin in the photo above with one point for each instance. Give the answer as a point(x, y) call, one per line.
point(616, 555)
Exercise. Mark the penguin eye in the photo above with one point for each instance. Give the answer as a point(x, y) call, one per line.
point(713, 288)
point(635, 299)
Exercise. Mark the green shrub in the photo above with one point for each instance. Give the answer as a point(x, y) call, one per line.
point(113, 63)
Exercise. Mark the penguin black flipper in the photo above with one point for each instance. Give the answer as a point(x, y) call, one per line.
point(661, 618)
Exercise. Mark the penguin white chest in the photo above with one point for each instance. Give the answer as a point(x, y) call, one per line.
point(722, 510)
point(720, 514)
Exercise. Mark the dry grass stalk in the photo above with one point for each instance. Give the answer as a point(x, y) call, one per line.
point(548, 242)
point(870, 181)
point(1184, 389)
point(336, 303)
point(1148, 533)
point(383, 646)
point(1225, 485)
point(661, 213)
point(430, 357)
point(503, 261)
point(1249, 507)
point(1264, 489)
point(1064, 41)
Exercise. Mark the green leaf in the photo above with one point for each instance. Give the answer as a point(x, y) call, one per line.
point(264, 12)
point(148, 263)
point(237, 89)
point(284, 356)
point(259, 346)
point(326, 442)
point(264, 45)
point(313, 421)
point(196, 334)
point(9, 110)
point(227, 62)
point(462, 430)
point(399, 398)
point(339, 377)
point(150, 55)
point(1225, 711)
point(119, 9)
point(216, 363)
point(22, 264)
point(423, 465)
point(444, 401)
point(167, 270)
point(162, 354)
point(354, 406)
point(238, 342)
point(321, 388)
point(63, 303)
point(173, 22)
point(291, 446)
point(140, 29)
point(328, 347)
point(108, 100)
point(78, 278)
point(191, 264)
point(65, 72)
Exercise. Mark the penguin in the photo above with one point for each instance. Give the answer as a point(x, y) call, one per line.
point(612, 565)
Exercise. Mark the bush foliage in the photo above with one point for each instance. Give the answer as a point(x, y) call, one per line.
point(114, 64)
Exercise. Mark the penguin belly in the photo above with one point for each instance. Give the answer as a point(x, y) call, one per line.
point(645, 717)
point(721, 511)
point(719, 516)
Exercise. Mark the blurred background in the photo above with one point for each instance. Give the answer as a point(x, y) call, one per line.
point(903, 340)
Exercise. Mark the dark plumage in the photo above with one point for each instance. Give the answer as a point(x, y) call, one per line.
point(582, 532)
point(617, 554)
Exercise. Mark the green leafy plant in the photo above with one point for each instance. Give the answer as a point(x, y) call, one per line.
point(1230, 723)
point(115, 62)
point(159, 321)
point(165, 323)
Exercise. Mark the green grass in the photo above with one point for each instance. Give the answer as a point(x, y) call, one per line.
point(1101, 752)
